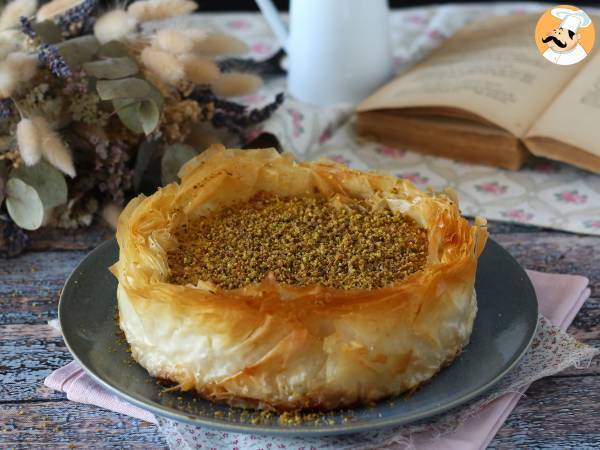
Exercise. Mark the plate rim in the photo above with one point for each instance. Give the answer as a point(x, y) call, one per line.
point(337, 429)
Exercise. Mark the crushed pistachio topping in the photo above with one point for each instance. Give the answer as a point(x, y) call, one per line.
point(300, 241)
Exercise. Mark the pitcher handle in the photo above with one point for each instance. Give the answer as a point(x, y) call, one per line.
point(274, 20)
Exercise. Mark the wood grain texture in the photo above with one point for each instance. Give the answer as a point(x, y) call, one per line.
point(57, 239)
point(64, 424)
point(556, 413)
point(556, 252)
point(29, 353)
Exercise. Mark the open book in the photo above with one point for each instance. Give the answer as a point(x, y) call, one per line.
point(488, 96)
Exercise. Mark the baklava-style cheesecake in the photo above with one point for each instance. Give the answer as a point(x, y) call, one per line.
point(269, 283)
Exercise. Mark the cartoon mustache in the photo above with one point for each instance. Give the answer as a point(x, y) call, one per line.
point(556, 41)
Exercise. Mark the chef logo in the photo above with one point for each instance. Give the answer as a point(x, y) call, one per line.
point(564, 35)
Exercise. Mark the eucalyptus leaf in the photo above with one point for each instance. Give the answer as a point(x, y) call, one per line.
point(156, 96)
point(175, 156)
point(79, 50)
point(48, 31)
point(3, 179)
point(149, 116)
point(142, 161)
point(129, 112)
point(127, 88)
point(48, 181)
point(112, 68)
point(24, 204)
point(113, 49)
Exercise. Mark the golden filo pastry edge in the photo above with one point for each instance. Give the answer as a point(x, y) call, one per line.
point(283, 347)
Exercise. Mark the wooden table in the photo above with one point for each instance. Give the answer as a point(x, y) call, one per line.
point(558, 412)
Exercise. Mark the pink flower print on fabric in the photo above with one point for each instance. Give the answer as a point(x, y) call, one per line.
point(415, 177)
point(517, 214)
point(492, 187)
point(390, 151)
point(592, 223)
point(260, 49)
point(325, 135)
point(239, 24)
point(339, 159)
point(297, 118)
point(573, 197)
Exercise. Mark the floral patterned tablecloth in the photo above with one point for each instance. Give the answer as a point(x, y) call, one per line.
point(545, 193)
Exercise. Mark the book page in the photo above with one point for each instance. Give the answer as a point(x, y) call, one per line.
point(574, 116)
point(491, 68)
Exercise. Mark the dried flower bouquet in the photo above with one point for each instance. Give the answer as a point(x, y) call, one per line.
point(93, 108)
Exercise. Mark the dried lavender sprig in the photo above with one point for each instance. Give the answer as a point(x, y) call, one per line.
point(77, 20)
point(238, 111)
point(5, 108)
point(204, 95)
point(27, 28)
point(221, 120)
point(49, 55)
point(258, 115)
point(265, 68)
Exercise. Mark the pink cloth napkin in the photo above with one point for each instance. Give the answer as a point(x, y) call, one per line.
point(560, 298)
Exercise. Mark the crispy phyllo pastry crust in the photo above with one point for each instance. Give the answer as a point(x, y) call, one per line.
point(292, 343)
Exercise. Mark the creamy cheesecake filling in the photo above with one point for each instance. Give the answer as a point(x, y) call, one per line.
point(301, 241)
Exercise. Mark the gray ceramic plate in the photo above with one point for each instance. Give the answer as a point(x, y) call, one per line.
point(503, 330)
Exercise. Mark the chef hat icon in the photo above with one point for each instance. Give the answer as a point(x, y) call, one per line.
point(572, 19)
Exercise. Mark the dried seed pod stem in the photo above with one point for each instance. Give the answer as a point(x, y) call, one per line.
point(114, 25)
point(166, 66)
point(53, 148)
point(56, 8)
point(28, 140)
point(219, 44)
point(200, 70)
point(16, 9)
point(234, 84)
point(145, 10)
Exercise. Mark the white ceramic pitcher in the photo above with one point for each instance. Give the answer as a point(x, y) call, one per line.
point(338, 50)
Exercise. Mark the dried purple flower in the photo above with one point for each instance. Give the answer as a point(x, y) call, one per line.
point(49, 55)
point(233, 116)
point(222, 120)
point(5, 108)
point(27, 27)
point(76, 83)
point(112, 174)
point(227, 115)
point(258, 115)
point(204, 96)
point(77, 20)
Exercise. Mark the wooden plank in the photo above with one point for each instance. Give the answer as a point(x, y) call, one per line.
point(31, 284)
point(29, 350)
point(556, 252)
point(496, 227)
point(551, 415)
point(29, 353)
point(555, 413)
point(31, 298)
point(79, 239)
point(63, 424)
